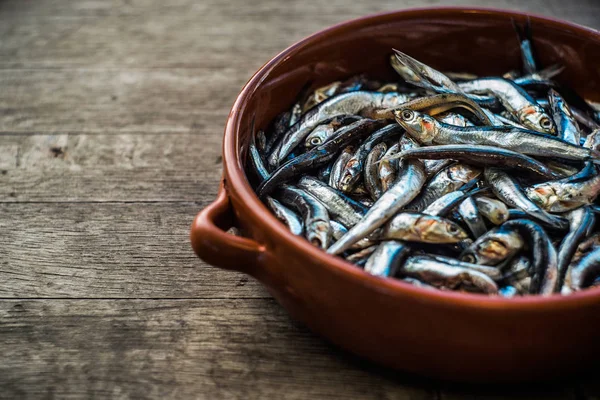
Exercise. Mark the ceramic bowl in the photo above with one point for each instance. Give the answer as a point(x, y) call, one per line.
point(455, 336)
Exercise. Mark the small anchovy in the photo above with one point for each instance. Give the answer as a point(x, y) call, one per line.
point(285, 215)
point(440, 274)
point(500, 120)
point(494, 247)
point(346, 210)
point(471, 217)
point(324, 131)
point(279, 127)
point(592, 141)
point(510, 192)
point(387, 258)
point(567, 127)
point(424, 76)
point(448, 180)
point(318, 156)
point(371, 171)
point(338, 230)
point(344, 104)
point(388, 168)
point(256, 162)
point(483, 156)
point(494, 210)
point(564, 194)
point(585, 118)
point(423, 228)
point(581, 222)
point(408, 184)
point(418, 283)
point(492, 272)
point(427, 130)
point(451, 118)
point(530, 66)
point(354, 167)
point(544, 268)
point(515, 99)
point(434, 105)
point(516, 270)
point(338, 165)
point(314, 213)
point(362, 255)
point(585, 271)
point(433, 167)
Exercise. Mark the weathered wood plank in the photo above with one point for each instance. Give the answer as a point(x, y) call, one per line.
point(192, 34)
point(121, 167)
point(209, 349)
point(118, 101)
point(108, 251)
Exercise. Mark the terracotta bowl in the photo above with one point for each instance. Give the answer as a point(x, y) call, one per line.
point(455, 336)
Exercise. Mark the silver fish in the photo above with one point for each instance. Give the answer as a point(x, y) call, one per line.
point(567, 127)
point(354, 167)
point(515, 99)
point(371, 171)
point(470, 215)
point(494, 247)
point(346, 210)
point(494, 210)
point(314, 213)
point(440, 274)
point(448, 180)
point(324, 131)
point(427, 130)
point(388, 167)
point(344, 104)
point(387, 258)
point(408, 184)
point(423, 228)
point(509, 191)
point(338, 230)
point(581, 222)
point(585, 271)
point(285, 215)
point(544, 269)
point(564, 194)
point(338, 166)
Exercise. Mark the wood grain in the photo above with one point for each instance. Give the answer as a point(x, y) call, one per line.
point(209, 349)
point(93, 250)
point(119, 167)
point(111, 119)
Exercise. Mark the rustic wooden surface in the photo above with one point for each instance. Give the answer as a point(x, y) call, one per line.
point(111, 115)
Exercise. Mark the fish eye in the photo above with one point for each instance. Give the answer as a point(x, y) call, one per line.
point(546, 123)
point(470, 258)
point(407, 114)
point(452, 229)
point(315, 141)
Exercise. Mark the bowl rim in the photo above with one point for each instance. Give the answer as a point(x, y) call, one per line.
point(237, 181)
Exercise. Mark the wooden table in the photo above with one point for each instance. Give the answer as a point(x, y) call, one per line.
point(111, 116)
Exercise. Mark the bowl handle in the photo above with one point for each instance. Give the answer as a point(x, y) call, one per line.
point(214, 245)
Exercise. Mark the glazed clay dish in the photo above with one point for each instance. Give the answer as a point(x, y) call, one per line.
point(448, 335)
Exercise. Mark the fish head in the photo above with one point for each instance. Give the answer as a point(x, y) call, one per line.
point(462, 173)
point(420, 126)
point(535, 117)
point(493, 248)
point(542, 195)
point(318, 136)
point(437, 230)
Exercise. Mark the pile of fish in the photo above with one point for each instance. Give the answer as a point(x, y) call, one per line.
point(444, 180)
